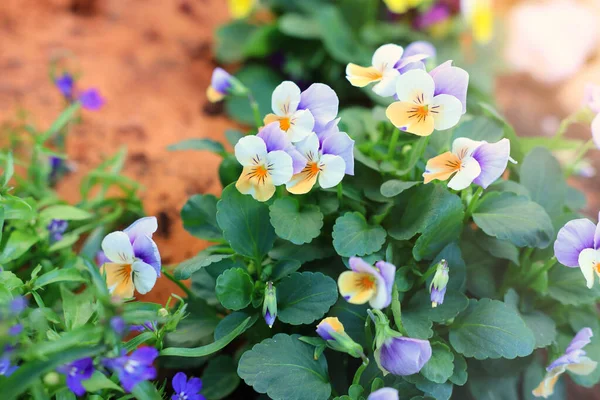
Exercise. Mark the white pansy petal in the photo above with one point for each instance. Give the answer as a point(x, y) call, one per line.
point(463, 147)
point(446, 111)
point(415, 86)
point(469, 170)
point(585, 366)
point(301, 125)
point(118, 248)
point(588, 259)
point(142, 227)
point(144, 277)
point(332, 172)
point(280, 167)
point(386, 56)
point(386, 87)
point(309, 147)
point(285, 99)
point(250, 150)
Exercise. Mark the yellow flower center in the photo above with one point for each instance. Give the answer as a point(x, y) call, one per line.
point(259, 172)
point(125, 273)
point(284, 124)
point(597, 268)
point(311, 169)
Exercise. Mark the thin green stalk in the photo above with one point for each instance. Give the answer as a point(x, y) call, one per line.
point(589, 145)
point(360, 370)
point(185, 289)
point(564, 125)
point(545, 268)
point(393, 143)
point(340, 194)
point(473, 204)
point(255, 111)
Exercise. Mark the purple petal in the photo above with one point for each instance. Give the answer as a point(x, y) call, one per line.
point(65, 84)
point(91, 100)
point(384, 394)
point(581, 339)
point(436, 14)
point(324, 330)
point(146, 250)
point(194, 385)
point(221, 80)
point(298, 160)
point(323, 103)
point(388, 271)
point(274, 137)
point(404, 68)
point(145, 355)
point(597, 234)
point(142, 227)
point(419, 47)
point(437, 296)
point(357, 264)
point(269, 318)
point(74, 384)
point(566, 359)
point(492, 158)
point(572, 239)
point(404, 356)
point(340, 144)
point(328, 130)
point(101, 258)
point(451, 80)
point(180, 382)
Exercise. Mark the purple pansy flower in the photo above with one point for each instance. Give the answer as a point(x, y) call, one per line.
point(134, 258)
point(578, 245)
point(574, 360)
point(91, 99)
point(134, 368)
point(65, 84)
point(56, 228)
point(402, 355)
point(414, 56)
point(77, 372)
point(297, 123)
point(275, 140)
point(366, 283)
point(186, 390)
point(384, 394)
point(436, 14)
point(101, 258)
point(451, 80)
point(270, 304)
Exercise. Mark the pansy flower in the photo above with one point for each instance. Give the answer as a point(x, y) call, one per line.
point(134, 368)
point(414, 56)
point(332, 331)
point(265, 161)
point(77, 372)
point(578, 245)
point(297, 123)
point(418, 110)
point(384, 394)
point(470, 161)
point(592, 100)
point(327, 160)
point(134, 258)
point(186, 389)
point(365, 283)
point(323, 103)
point(574, 360)
point(480, 17)
point(382, 71)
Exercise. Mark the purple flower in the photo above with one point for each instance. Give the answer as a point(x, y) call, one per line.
point(77, 372)
point(118, 325)
point(6, 368)
point(275, 139)
point(56, 228)
point(328, 326)
point(384, 394)
point(65, 85)
point(220, 84)
point(90, 99)
point(366, 283)
point(451, 80)
point(436, 14)
point(270, 304)
point(15, 330)
point(578, 245)
point(186, 390)
point(414, 56)
point(146, 326)
point(18, 305)
point(323, 104)
point(134, 368)
point(332, 331)
point(403, 356)
point(574, 360)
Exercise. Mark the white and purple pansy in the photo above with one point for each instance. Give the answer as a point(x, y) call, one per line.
point(451, 80)
point(414, 56)
point(266, 162)
point(133, 258)
point(365, 283)
point(573, 360)
point(297, 123)
point(578, 245)
point(470, 161)
point(385, 393)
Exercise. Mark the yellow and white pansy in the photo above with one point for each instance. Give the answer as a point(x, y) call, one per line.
point(365, 283)
point(418, 110)
point(382, 71)
point(297, 124)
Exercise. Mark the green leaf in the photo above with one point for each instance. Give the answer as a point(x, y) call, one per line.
point(517, 219)
point(146, 390)
point(199, 215)
point(567, 285)
point(439, 220)
point(283, 367)
point(9, 169)
point(17, 244)
point(77, 308)
point(440, 366)
point(394, 187)
point(198, 144)
point(297, 225)
point(233, 320)
point(59, 275)
point(353, 236)
point(439, 391)
point(233, 136)
point(16, 208)
point(245, 223)
point(64, 212)
point(353, 317)
point(194, 264)
point(99, 381)
point(299, 26)
point(304, 297)
point(230, 41)
point(498, 248)
point(219, 379)
point(209, 348)
point(234, 288)
point(490, 329)
point(229, 170)
point(459, 374)
point(283, 268)
point(479, 128)
point(493, 388)
point(416, 153)
point(542, 175)
point(303, 253)
point(63, 119)
point(418, 315)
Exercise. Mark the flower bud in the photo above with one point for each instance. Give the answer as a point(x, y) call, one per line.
point(332, 331)
point(437, 288)
point(163, 312)
point(385, 393)
point(223, 84)
point(270, 304)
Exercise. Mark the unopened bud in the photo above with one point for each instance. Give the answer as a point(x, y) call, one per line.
point(437, 289)
point(270, 304)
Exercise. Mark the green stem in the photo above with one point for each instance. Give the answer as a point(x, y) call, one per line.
point(473, 204)
point(360, 370)
point(545, 268)
point(393, 143)
point(564, 125)
point(426, 275)
point(185, 289)
point(578, 157)
point(340, 194)
point(258, 265)
point(255, 111)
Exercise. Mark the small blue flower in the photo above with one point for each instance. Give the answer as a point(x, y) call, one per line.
point(6, 367)
point(15, 330)
point(57, 227)
point(186, 390)
point(118, 325)
point(77, 372)
point(91, 100)
point(146, 326)
point(134, 368)
point(65, 84)
point(18, 305)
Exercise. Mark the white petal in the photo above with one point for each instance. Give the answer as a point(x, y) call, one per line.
point(280, 167)
point(446, 111)
point(144, 276)
point(285, 99)
point(386, 56)
point(588, 259)
point(118, 248)
point(415, 86)
point(309, 147)
point(386, 87)
point(250, 150)
point(332, 172)
point(585, 366)
point(464, 146)
point(469, 170)
point(142, 227)
point(301, 125)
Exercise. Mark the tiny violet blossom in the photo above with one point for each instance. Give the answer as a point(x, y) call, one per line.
point(285, 101)
point(437, 14)
point(574, 360)
point(150, 326)
point(6, 366)
point(91, 99)
point(437, 288)
point(470, 161)
point(592, 100)
point(332, 331)
point(186, 389)
point(265, 161)
point(134, 368)
point(384, 394)
point(56, 228)
point(419, 110)
point(223, 84)
point(18, 305)
point(15, 329)
point(118, 325)
point(270, 304)
point(77, 372)
point(365, 283)
point(134, 258)
point(578, 245)
point(65, 84)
